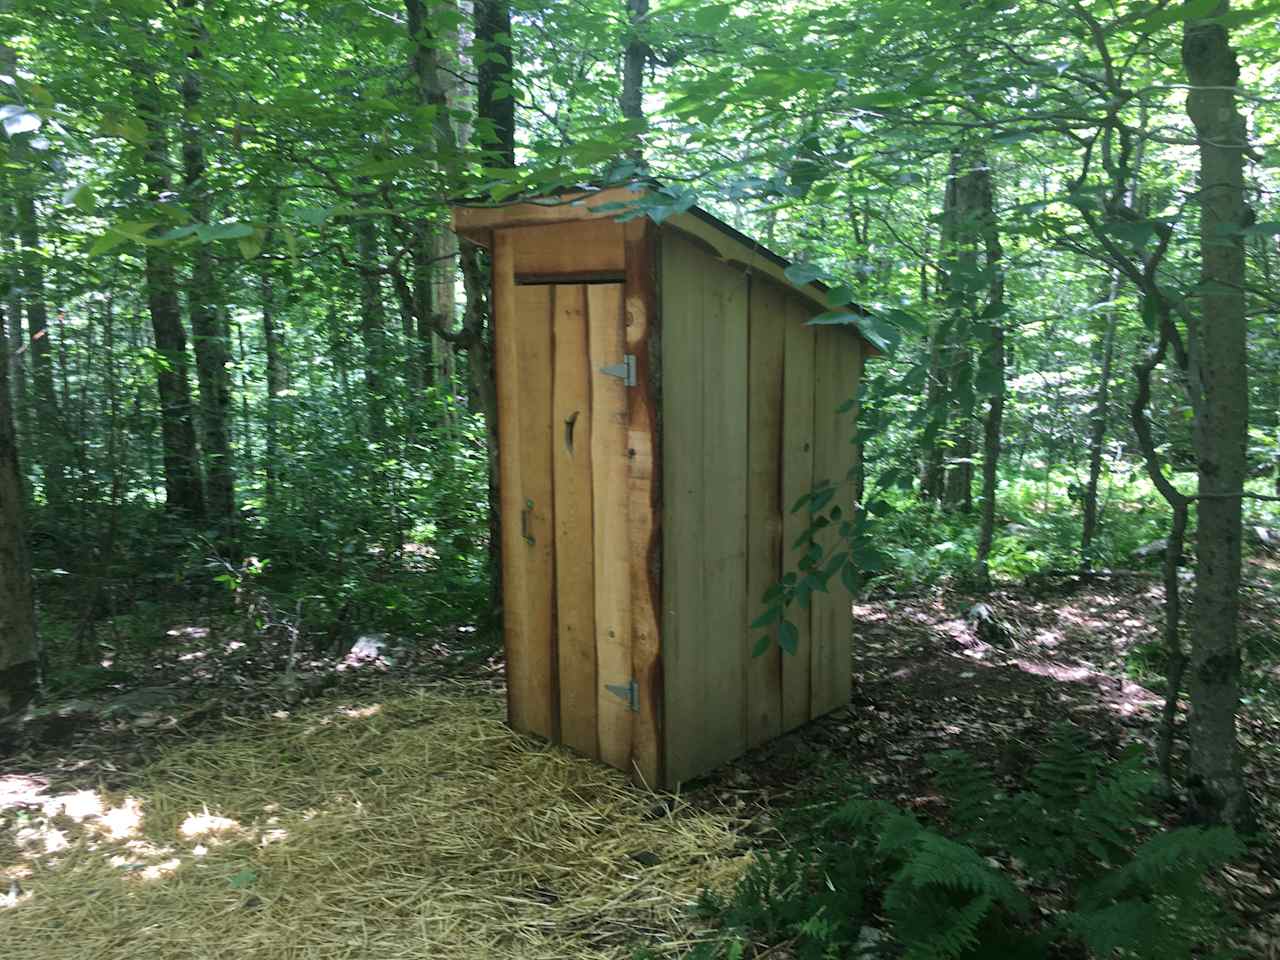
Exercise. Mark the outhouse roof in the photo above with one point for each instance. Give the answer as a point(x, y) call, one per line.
point(476, 222)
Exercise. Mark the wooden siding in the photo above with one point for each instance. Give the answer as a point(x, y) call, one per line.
point(749, 399)
point(571, 431)
point(644, 497)
point(545, 253)
point(835, 384)
point(524, 367)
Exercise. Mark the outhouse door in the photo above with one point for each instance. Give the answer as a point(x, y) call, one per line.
point(566, 557)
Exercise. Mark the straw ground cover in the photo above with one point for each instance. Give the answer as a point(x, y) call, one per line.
point(417, 827)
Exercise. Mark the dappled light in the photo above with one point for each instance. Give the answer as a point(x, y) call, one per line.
point(413, 827)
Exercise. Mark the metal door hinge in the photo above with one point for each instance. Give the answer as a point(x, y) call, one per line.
point(624, 371)
point(629, 692)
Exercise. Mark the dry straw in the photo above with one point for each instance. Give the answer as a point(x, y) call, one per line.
point(421, 827)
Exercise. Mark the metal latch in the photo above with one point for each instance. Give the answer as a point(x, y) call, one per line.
point(629, 692)
point(624, 371)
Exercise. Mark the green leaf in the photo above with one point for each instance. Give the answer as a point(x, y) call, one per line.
point(840, 295)
point(245, 878)
point(82, 197)
point(788, 637)
point(835, 318)
point(802, 273)
point(772, 615)
point(762, 644)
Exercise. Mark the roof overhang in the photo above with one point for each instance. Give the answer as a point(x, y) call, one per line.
point(477, 222)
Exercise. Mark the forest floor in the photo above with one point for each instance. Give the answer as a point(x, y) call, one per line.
point(923, 682)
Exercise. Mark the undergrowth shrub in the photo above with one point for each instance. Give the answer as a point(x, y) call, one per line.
point(864, 878)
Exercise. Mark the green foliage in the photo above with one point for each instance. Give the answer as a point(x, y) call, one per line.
point(1080, 826)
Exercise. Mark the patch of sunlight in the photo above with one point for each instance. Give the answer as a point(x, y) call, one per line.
point(17, 789)
point(189, 632)
point(122, 821)
point(199, 824)
point(78, 806)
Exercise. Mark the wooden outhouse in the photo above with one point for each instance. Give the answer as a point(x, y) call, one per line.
point(662, 405)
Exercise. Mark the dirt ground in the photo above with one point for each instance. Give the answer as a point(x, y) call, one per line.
point(923, 680)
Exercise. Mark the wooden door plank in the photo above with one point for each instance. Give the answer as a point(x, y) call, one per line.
point(725, 648)
point(835, 383)
point(570, 454)
point(522, 322)
point(684, 623)
point(612, 549)
point(797, 480)
point(644, 498)
point(521, 712)
point(768, 320)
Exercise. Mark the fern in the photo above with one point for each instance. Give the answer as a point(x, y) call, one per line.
point(948, 898)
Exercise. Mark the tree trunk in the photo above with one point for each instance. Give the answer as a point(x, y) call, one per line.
point(209, 326)
point(17, 344)
point(373, 321)
point(494, 103)
point(19, 654)
point(48, 418)
point(992, 361)
point(1217, 365)
point(271, 338)
point(184, 495)
point(635, 59)
point(1098, 425)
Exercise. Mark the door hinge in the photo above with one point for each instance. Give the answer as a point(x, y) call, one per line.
point(629, 691)
point(624, 371)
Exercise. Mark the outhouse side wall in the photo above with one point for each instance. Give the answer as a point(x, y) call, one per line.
point(749, 400)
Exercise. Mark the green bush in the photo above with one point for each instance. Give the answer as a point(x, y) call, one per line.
point(1079, 832)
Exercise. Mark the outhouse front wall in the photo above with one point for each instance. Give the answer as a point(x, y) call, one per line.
point(749, 403)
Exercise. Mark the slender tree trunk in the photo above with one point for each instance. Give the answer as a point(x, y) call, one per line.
point(1217, 353)
point(209, 326)
point(992, 360)
point(494, 104)
point(372, 324)
point(1098, 425)
point(17, 339)
point(635, 59)
point(52, 444)
point(184, 494)
point(271, 338)
point(19, 653)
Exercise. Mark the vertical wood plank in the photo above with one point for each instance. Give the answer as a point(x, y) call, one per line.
point(611, 536)
point(518, 665)
point(768, 319)
point(684, 623)
point(835, 383)
point(724, 649)
point(797, 480)
point(571, 449)
point(644, 497)
point(522, 328)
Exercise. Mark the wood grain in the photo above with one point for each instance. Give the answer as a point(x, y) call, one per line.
point(765, 361)
point(570, 454)
point(611, 547)
point(563, 249)
point(797, 479)
point(835, 383)
point(644, 498)
point(684, 623)
point(725, 648)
